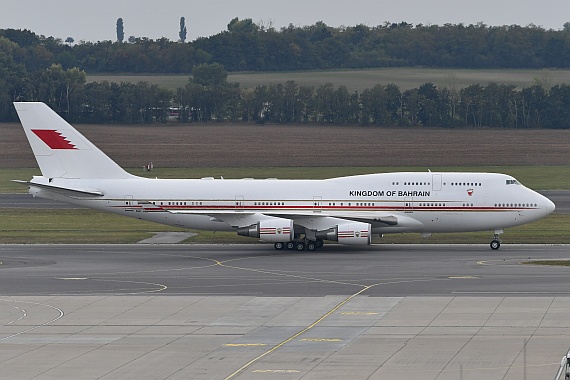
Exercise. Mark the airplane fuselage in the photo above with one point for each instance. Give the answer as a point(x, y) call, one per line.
point(423, 201)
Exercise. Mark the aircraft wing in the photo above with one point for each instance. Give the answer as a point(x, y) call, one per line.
point(320, 221)
point(234, 219)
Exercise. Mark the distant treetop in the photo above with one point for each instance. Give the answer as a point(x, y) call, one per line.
point(247, 46)
point(120, 30)
point(183, 30)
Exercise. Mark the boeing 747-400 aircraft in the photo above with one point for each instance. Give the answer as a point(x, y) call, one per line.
point(292, 214)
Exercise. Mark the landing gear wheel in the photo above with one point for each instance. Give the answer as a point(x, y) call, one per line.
point(320, 243)
point(290, 245)
point(496, 242)
point(300, 246)
point(279, 245)
point(311, 245)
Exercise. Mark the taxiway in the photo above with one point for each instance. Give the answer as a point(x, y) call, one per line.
point(248, 312)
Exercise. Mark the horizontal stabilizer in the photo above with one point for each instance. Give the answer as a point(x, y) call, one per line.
point(63, 190)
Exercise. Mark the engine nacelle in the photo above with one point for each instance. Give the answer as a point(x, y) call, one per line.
point(271, 230)
point(352, 233)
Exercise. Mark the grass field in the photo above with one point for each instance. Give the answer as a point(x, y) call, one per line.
point(562, 263)
point(359, 80)
point(28, 226)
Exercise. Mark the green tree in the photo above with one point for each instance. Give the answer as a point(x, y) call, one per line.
point(374, 106)
point(188, 98)
point(74, 80)
point(411, 106)
point(247, 103)
point(394, 102)
point(277, 104)
point(183, 30)
point(261, 104)
point(532, 105)
point(428, 114)
point(472, 104)
point(306, 107)
point(99, 108)
point(557, 112)
point(347, 106)
point(291, 106)
point(24, 38)
point(13, 79)
point(120, 30)
point(242, 26)
point(210, 75)
point(58, 87)
point(325, 103)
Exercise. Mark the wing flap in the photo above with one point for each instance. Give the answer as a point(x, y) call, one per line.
point(234, 219)
point(310, 221)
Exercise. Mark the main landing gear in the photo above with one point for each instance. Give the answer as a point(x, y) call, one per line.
point(300, 245)
point(279, 245)
point(496, 242)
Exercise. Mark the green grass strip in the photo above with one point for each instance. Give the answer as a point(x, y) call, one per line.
point(51, 226)
point(560, 263)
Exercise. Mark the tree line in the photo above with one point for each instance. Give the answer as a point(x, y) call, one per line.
point(36, 68)
point(247, 46)
point(209, 97)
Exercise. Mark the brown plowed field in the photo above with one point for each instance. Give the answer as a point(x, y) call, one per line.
point(240, 145)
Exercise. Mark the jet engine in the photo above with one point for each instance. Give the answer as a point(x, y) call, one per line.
point(271, 230)
point(352, 233)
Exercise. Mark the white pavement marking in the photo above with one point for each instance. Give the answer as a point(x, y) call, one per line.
point(167, 238)
point(61, 314)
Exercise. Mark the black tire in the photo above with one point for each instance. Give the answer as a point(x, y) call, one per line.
point(300, 246)
point(279, 245)
point(320, 243)
point(290, 245)
point(311, 246)
point(495, 244)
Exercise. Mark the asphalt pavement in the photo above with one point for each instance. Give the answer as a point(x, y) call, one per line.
point(250, 312)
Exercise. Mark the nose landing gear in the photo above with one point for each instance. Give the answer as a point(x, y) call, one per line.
point(496, 242)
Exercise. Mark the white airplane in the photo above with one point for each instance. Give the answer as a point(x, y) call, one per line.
point(292, 214)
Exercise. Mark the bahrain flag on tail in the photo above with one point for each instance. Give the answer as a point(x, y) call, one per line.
point(54, 139)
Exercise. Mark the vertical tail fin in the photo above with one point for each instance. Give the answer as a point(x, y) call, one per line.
point(60, 150)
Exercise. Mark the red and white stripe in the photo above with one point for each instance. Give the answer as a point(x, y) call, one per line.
point(274, 231)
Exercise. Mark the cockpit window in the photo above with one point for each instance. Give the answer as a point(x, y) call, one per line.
point(512, 182)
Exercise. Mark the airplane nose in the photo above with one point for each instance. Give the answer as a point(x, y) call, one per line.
point(550, 206)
